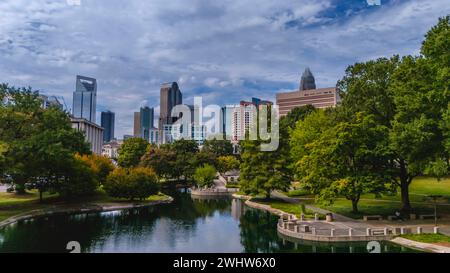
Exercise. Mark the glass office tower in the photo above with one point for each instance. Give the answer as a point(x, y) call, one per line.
point(85, 98)
point(107, 122)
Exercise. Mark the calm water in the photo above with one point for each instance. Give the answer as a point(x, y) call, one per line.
point(187, 225)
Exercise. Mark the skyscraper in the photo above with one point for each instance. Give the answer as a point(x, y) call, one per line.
point(170, 96)
point(146, 122)
point(137, 124)
point(85, 98)
point(307, 95)
point(107, 122)
point(307, 82)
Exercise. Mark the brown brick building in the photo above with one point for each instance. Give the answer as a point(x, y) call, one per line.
point(319, 98)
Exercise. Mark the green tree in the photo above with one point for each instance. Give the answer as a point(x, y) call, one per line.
point(261, 172)
point(131, 152)
point(218, 147)
point(204, 176)
point(227, 163)
point(78, 180)
point(185, 163)
point(343, 158)
point(41, 142)
point(161, 159)
point(410, 98)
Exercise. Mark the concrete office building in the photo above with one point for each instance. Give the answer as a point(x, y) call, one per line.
point(85, 98)
point(92, 133)
point(107, 122)
point(307, 95)
point(244, 117)
point(111, 149)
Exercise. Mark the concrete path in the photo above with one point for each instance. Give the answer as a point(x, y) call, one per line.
point(421, 246)
point(219, 184)
point(343, 222)
point(3, 188)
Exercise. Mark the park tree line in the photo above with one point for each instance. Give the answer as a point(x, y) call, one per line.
point(181, 161)
point(39, 150)
point(392, 125)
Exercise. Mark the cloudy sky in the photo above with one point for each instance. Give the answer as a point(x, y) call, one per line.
point(224, 51)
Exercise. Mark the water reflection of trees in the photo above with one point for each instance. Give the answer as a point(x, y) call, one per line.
point(51, 234)
point(258, 232)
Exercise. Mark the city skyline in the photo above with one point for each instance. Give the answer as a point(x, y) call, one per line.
point(232, 51)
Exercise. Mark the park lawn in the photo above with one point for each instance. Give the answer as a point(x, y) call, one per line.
point(12, 204)
point(377, 207)
point(428, 238)
point(387, 205)
point(291, 208)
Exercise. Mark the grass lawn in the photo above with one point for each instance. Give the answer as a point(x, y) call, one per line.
point(287, 207)
point(428, 238)
point(12, 204)
point(389, 204)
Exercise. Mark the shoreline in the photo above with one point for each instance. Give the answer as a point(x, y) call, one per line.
point(80, 209)
point(426, 247)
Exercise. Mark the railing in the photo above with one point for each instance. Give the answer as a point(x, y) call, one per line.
point(290, 226)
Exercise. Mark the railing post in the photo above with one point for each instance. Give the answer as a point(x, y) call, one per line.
point(436, 230)
point(350, 232)
point(419, 230)
point(313, 231)
point(386, 232)
point(332, 232)
point(368, 232)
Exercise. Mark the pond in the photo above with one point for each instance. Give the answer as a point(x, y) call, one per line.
point(186, 225)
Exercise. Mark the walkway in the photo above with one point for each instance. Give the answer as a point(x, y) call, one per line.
point(342, 222)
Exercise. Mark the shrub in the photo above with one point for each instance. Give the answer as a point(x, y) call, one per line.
point(204, 176)
point(137, 183)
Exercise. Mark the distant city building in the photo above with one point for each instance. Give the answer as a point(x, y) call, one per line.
point(137, 124)
point(307, 95)
point(307, 82)
point(172, 132)
point(170, 96)
point(107, 122)
point(111, 149)
point(50, 101)
point(85, 98)
point(147, 117)
point(92, 133)
point(154, 136)
point(244, 116)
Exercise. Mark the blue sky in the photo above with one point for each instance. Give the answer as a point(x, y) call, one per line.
point(225, 51)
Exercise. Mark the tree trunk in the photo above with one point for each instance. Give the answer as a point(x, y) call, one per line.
point(406, 205)
point(355, 206)
point(405, 180)
point(268, 194)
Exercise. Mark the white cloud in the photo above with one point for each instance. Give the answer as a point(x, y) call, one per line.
point(226, 50)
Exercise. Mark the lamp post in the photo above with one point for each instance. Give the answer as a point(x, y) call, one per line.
point(435, 198)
